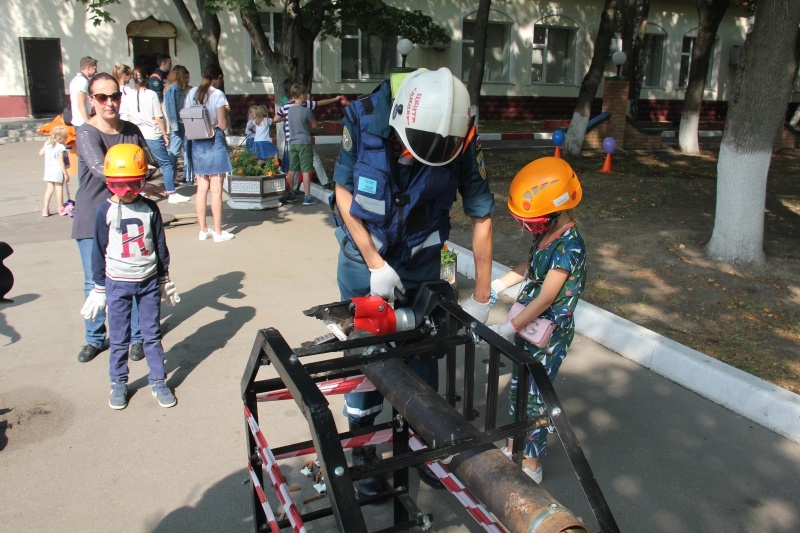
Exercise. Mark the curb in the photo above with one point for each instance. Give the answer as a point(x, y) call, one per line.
point(768, 405)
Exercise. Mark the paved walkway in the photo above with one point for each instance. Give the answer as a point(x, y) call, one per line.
point(667, 459)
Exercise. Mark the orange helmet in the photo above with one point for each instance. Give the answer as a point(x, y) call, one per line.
point(125, 167)
point(544, 186)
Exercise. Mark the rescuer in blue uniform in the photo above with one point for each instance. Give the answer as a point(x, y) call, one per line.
point(402, 159)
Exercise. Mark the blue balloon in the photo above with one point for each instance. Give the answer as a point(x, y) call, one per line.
point(609, 145)
point(558, 137)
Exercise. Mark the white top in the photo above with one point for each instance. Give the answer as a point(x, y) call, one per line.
point(52, 168)
point(79, 83)
point(124, 113)
point(215, 100)
point(143, 108)
point(262, 130)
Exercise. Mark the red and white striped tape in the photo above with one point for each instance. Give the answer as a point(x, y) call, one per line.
point(273, 524)
point(376, 437)
point(478, 511)
point(278, 481)
point(333, 386)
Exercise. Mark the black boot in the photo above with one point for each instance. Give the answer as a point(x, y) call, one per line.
point(367, 487)
point(427, 476)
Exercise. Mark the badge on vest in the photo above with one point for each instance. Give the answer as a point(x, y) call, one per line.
point(367, 185)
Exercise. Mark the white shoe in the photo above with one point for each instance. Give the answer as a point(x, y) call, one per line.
point(535, 475)
point(205, 235)
point(224, 236)
point(506, 451)
point(177, 198)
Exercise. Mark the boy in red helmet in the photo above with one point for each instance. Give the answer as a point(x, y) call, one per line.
point(130, 261)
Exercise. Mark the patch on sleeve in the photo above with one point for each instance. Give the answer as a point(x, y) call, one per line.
point(481, 161)
point(347, 140)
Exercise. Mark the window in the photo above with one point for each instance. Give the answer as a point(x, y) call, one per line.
point(366, 56)
point(273, 28)
point(653, 50)
point(686, 62)
point(553, 51)
point(496, 65)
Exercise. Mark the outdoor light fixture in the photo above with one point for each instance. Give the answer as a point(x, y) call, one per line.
point(404, 47)
point(619, 59)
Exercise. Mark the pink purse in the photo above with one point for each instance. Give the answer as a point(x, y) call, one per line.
point(537, 332)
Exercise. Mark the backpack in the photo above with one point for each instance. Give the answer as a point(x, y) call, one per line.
point(196, 122)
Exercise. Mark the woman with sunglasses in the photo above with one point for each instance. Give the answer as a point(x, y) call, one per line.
point(144, 110)
point(541, 197)
point(104, 130)
point(210, 159)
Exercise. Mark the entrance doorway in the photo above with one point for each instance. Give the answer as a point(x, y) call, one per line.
point(147, 49)
point(44, 77)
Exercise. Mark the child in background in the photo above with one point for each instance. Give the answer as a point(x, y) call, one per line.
point(264, 149)
point(249, 137)
point(301, 151)
point(55, 170)
point(540, 198)
point(130, 262)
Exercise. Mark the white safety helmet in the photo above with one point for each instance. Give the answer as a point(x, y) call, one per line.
point(431, 114)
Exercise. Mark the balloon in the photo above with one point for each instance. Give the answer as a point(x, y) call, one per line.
point(558, 137)
point(609, 144)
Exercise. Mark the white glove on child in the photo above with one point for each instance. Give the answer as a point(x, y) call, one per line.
point(168, 291)
point(478, 310)
point(95, 302)
point(383, 281)
point(497, 287)
point(506, 330)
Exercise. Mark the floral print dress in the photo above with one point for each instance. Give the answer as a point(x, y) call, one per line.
point(567, 252)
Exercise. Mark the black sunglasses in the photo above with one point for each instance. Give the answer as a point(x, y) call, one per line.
point(103, 98)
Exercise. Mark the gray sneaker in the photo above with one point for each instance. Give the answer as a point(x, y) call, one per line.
point(119, 395)
point(162, 393)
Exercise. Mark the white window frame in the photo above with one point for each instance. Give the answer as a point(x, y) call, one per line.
point(713, 62)
point(358, 38)
point(251, 53)
point(655, 30)
point(555, 22)
point(508, 61)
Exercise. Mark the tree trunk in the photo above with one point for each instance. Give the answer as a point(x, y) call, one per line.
point(756, 112)
point(636, 59)
point(205, 38)
point(709, 16)
point(479, 54)
point(591, 81)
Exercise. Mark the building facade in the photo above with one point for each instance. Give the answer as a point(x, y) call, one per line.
point(536, 57)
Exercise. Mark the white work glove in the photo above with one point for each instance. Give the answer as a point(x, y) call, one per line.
point(497, 287)
point(478, 310)
point(168, 291)
point(383, 281)
point(95, 302)
point(506, 330)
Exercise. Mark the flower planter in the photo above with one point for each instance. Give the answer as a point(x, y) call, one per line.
point(255, 192)
point(448, 273)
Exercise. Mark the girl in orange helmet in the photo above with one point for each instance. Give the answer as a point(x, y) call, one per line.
point(541, 197)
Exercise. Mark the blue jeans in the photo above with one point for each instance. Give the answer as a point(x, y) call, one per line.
point(122, 298)
point(177, 144)
point(96, 329)
point(162, 157)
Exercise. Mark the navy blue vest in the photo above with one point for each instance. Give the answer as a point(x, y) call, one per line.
point(409, 224)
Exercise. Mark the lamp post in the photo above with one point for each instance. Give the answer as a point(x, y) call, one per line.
point(619, 59)
point(404, 47)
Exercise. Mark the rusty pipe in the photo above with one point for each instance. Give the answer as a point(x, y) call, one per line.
point(517, 501)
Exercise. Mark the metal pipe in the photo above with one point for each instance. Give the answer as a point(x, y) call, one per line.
point(517, 501)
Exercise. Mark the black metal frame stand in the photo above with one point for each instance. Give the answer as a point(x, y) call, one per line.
point(446, 326)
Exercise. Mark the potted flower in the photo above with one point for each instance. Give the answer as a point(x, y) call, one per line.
point(448, 265)
point(254, 183)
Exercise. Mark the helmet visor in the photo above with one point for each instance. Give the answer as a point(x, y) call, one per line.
point(535, 224)
point(432, 148)
point(125, 187)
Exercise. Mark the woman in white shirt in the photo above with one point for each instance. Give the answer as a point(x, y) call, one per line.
point(210, 159)
point(144, 110)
